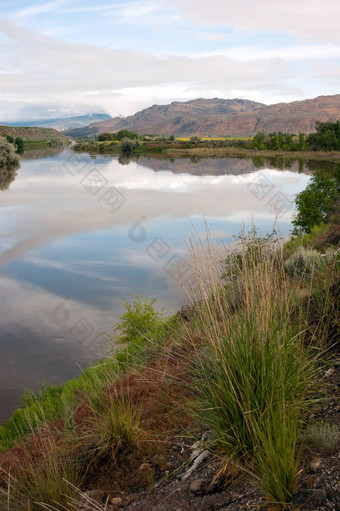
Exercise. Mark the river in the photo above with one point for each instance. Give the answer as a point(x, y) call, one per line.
point(79, 234)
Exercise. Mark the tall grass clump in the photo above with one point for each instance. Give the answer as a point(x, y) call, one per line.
point(49, 474)
point(254, 377)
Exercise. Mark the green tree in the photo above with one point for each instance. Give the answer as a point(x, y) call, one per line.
point(126, 134)
point(302, 142)
point(316, 202)
point(9, 163)
point(327, 136)
point(259, 140)
point(19, 142)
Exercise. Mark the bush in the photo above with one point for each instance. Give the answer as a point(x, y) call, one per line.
point(8, 157)
point(128, 145)
point(19, 142)
point(315, 203)
point(139, 320)
point(322, 436)
point(304, 261)
point(195, 139)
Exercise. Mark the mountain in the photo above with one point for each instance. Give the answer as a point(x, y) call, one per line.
point(221, 117)
point(180, 118)
point(62, 124)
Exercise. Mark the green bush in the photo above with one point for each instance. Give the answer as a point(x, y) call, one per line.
point(315, 204)
point(304, 261)
point(128, 145)
point(8, 157)
point(139, 321)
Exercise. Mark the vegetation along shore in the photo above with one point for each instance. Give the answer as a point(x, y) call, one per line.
point(324, 144)
point(231, 402)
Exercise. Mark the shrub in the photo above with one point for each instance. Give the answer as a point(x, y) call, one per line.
point(316, 202)
point(19, 142)
point(304, 261)
point(8, 157)
point(139, 320)
point(195, 139)
point(128, 145)
point(323, 436)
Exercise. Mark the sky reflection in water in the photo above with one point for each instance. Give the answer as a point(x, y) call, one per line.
point(67, 261)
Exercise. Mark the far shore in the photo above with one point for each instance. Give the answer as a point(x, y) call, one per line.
point(209, 152)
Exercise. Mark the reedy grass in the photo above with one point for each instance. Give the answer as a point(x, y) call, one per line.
point(255, 375)
point(115, 426)
point(44, 476)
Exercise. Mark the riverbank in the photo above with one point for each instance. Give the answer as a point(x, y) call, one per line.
point(137, 428)
point(175, 150)
point(230, 402)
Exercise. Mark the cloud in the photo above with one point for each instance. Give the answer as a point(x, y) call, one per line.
point(55, 72)
point(313, 19)
point(37, 9)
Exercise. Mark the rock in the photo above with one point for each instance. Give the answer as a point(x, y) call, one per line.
point(315, 464)
point(145, 466)
point(329, 372)
point(198, 485)
point(310, 499)
point(115, 501)
point(199, 459)
point(97, 495)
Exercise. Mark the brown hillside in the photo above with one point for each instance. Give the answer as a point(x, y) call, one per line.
point(218, 117)
point(33, 133)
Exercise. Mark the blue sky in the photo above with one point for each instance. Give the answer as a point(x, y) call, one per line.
point(69, 57)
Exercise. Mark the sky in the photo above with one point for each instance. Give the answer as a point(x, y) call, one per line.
point(62, 58)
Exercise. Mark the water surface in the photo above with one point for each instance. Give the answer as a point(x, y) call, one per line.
point(78, 234)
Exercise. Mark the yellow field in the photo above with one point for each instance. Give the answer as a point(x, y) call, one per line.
point(187, 139)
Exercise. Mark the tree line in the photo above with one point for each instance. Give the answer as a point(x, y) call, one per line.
point(326, 138)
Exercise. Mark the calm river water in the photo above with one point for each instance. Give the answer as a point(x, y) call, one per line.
point(77, 235)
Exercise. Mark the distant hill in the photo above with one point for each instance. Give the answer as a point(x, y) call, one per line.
point(221, 117)
point(62, 124)
point(33, 133)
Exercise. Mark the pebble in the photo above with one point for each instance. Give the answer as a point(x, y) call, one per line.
point(314, 465)
point(329, 372)
point(115, 501)
point(198, 485)
point(145, 466)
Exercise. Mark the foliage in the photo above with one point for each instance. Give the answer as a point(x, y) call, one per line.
point(139, 320)
point(327, 137)
point(8, 157)
point(128, 145)
point(316, 202)
point(48, 476)
point(259, 140)
point(323, 436)
point(19, 142)
point(304, 261)
point(195, 139)
point(254, 377)
point(113, 426)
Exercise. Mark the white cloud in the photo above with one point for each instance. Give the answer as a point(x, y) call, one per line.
point(59, 73)
point(37, 9)
point(315, 19)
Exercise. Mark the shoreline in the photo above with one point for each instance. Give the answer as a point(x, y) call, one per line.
point(212, 152)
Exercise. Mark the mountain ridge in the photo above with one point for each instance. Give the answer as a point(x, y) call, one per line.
point(224, 117)
point(60, 124)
